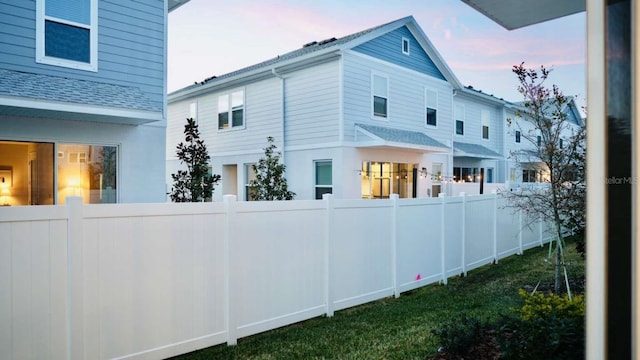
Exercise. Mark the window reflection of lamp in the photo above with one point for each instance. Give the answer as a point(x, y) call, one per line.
point(74, 184)
point(5, 193)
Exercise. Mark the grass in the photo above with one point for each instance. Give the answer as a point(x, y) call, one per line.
point(401, 328)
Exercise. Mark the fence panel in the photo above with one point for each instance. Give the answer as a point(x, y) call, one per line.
point(508, 228)
point(419, 245)
point(154, 283)
point(33, 279)
point(278, 264)
point(453, 234)
point(479, 231)
point(361, 252)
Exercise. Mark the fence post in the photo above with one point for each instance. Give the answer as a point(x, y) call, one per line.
point(75, 279)
point(464, 233)
point(328, 253)
point(442, 238)
point(495, 226)
point(230, 213)
point(394, 244)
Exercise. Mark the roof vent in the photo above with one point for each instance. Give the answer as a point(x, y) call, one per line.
point(326, 41)
point(309, 44)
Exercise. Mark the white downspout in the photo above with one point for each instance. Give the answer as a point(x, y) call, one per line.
point(282, 111)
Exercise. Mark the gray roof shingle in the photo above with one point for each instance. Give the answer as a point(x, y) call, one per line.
point(401, 136)
point(57, 88)
point(306, 49)
point(473, 150)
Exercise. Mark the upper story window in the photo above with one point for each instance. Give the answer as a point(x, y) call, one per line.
point(561, 144)
point(231, 110)
point(405, 46)
point(380, 95)
point(193, 111)
point(539, 140)
point(458, 113)
point(66, 33)
point(485, 116)
point(517, 136)
point(431, 100)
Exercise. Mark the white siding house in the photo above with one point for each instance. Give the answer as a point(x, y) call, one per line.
point(363, 116)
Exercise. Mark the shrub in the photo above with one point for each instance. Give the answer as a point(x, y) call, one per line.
point(546, 327)
point(458, 337)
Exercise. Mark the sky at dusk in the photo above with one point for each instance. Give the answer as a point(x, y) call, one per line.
point(210, 37)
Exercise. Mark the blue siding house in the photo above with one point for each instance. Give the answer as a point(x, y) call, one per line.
point(82, 100)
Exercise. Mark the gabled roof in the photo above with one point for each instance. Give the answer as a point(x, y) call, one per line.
point(29, 94)
point(569, 108)
point(474, 151)
point(377, 136)
point(317, 49)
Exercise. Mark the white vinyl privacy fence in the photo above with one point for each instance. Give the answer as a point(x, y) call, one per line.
point(149, 281)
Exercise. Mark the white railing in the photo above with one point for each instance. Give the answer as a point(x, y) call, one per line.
point(150, 281)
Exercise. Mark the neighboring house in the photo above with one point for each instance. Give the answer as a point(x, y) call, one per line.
point(478, 137)
point(523, 169)
point(363, 116)
point(82, 100)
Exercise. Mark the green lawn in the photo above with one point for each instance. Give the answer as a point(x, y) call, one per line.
point(401, 328)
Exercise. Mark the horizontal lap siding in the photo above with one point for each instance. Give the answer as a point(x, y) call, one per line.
point(473, 124)
point(312, 105)
point(262, 118)
point(405, 99)
point(130, 44)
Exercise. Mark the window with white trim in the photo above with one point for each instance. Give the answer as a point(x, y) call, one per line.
point(405, 46)
point(517, 136)
point(231, 110)
point(66, 33)
point(431, 106)
point(249, 175)
point(324, 182)
point(485, 115)
point(193, 111)
point(458, 113)
point(380, 92)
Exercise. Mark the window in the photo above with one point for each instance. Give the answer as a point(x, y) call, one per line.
point(529, 175)
point(66, 33)
point(431, 100)
point(90, 173)
point(463, 174)
point(539, 140)
point(405, 46)
point(323, 183)
point(380, 93)
point(517, 136)
point(458, 113)
point(193, 111)
point(489, 176)
point(459, 127)
point(250, 175)
point(561, 144)
point(235, 102)
point(485, 116)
